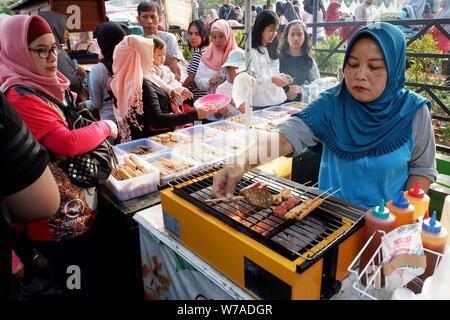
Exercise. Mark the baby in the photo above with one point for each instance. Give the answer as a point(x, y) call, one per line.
point(169, 83)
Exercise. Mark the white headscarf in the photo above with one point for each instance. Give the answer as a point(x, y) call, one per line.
point(444, 13)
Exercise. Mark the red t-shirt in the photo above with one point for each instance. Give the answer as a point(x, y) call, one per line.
point(76, 212)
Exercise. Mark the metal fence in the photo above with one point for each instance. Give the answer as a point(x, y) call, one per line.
point(424, 25)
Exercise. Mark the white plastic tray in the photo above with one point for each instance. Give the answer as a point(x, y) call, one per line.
point(232, 125)
point(122, 149)
point(134, 187)
point(200, 133)
point(229, 143)
point(203, 153)
point(171, 155)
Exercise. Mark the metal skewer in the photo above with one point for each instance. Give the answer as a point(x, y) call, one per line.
point(225, 199)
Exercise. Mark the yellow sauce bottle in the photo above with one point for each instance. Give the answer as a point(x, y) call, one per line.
point(403, 211)
point(419, 199)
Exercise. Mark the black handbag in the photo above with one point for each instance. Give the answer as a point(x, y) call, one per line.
point(91, 168)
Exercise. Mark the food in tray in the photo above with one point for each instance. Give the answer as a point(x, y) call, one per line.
point(260, 124)
point(298, 105)
point(257, 195)
point(241, 119)
point(132, 167)
point(202, 135)
point(270, 115)
point(141, 150)
point(267, 126)
point(202, 153)
point(214, 106)
point(170, 139)
point(170, 166)
point(226, 128)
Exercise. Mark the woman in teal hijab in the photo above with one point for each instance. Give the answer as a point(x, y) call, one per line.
point(377, 136)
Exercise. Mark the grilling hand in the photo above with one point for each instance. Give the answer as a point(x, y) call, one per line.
point(226, 179)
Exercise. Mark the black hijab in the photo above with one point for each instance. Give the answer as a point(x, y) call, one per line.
point(108, 36)
point(308, 5)
point(57, 22)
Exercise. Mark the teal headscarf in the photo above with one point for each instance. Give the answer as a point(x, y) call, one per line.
point(353, 130)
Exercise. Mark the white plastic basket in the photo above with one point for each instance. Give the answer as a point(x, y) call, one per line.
point(135, 187)
point(367, 282)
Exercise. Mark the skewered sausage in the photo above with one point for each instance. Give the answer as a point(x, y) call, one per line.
point(280, 210)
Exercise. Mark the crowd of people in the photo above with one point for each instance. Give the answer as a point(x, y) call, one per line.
point(138, 90)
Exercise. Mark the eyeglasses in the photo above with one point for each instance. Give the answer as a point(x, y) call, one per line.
point(45, 53)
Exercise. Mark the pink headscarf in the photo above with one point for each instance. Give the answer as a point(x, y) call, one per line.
point(17, 65)
point(214, 58)
point(133, 61)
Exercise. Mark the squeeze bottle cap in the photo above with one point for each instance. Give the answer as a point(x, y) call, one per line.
point(416, 192)
point(401, 202)
point(431, 224)
point(381, 212)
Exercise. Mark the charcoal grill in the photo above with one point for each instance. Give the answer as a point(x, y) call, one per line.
point(301, 246)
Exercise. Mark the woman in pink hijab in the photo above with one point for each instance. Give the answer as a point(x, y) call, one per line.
point(143, 107)
point(39, 93)
point(208, 75)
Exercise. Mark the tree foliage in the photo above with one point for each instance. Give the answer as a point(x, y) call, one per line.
point(4, 6)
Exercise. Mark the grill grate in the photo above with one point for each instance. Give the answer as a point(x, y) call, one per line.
point(308, 238)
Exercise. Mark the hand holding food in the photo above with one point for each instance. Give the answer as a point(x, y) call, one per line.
point(287, 77)
point(203, 112)
point(280, 81)
point(216, 81)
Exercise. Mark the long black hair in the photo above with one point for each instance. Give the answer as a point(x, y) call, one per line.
point(264, 19)
point(306, 49)
point(203, 33)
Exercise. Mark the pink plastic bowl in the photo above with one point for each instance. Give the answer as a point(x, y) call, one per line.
point(211, 98)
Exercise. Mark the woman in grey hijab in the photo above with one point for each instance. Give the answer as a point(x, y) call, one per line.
point(418, 7)
point(66, 66)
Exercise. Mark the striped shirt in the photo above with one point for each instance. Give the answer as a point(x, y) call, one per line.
point(192, 68)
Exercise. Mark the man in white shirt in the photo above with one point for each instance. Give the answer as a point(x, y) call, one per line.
point(366, 11)
point(149, 17)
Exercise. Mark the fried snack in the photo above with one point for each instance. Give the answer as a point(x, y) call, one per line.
point(132, 167)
